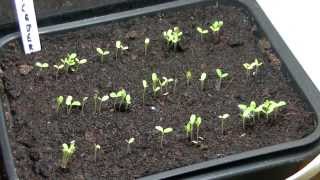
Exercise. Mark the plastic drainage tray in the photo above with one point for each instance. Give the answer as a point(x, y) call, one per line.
point(217, 168)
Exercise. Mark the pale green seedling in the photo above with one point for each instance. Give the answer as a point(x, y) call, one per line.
point(84, 100)
point(129, 142)
point(67, 153)
point(173, 37)
point(202, 79)
point(163, 132)
point(71, 103)
point(221, 75)
point(145, 86)
point(97, 148)
point(146, 44)
point(120, 46)
point(202, 32)
point(223, 118)
point(59, 101)
point(216, 26)
point(102, 99)
point(102, 53)
point(188, 77)
point(42, 65)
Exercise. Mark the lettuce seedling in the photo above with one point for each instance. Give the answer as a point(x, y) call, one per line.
point(223, 118)
point(121, 47)
point(198, 123)
point(163, 132)
point(202, 32)
point(145, 86)
point(102, 99)
point(71, 62)
point(221, 75)
point(155, 84)
point(67, 153)
point(271, 106)
point(247, 112)
point(189, 77)
point(42, 65)
point(202, 79)
point(146, 44)
point(257, 64)
point(70, 103)
point(165, 83)
point(121, 97)
point(173, 37)
point(58, 67)
point(97, 147)
point(129, 142)
point(102, 53)
point(248, 68)
point(84, 100)
point(216, 26)
point(59, 101)
point(189, 126)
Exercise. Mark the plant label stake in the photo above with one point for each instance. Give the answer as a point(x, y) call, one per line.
point(28, 26)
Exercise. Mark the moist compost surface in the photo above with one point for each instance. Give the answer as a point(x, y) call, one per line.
point(37, 131)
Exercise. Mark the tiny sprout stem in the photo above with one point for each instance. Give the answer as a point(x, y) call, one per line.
point(100, 105)
point(243, 123)
point(101, 59)
point(144, 93)
point(82, 108)
point(145, 49)
point(117, 51)
point(128, 148)
point(161, 140)
point(202, 85)
point(95, 154)
point(175, 86)
point(95, 105)
point(222, 125)
point(197, 133)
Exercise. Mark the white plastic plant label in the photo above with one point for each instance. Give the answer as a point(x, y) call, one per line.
point(28, 26)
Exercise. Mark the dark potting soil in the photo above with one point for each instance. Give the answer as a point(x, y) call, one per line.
point(37, 132)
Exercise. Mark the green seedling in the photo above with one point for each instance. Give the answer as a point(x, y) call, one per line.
point(175, 86)
point(221, 75)
point(67, 153)
point(257, 64)
point(249, 68)
point(271, 106)
point(70, 103)
point(42, 65)
point(102, 99)
point(102, 53)
point(121, 47)
point(95, 98)
point(146, 44)
point(254, 65)
point(59, 101)
point(71, 62)
point(223, 118)
point(202, 79)
point(155, 84)
point(216, 26)
point(189, 126)
point(58, 67)
point(97, 147)
point(121, 97)
point(163, 132)
point(145, 86)
point(84, 100)
point(129, 142)
point(247, 112)
point(173, 37)
point(198, 123)
point(202, 32)
point(164, 83)
point(189, 77)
